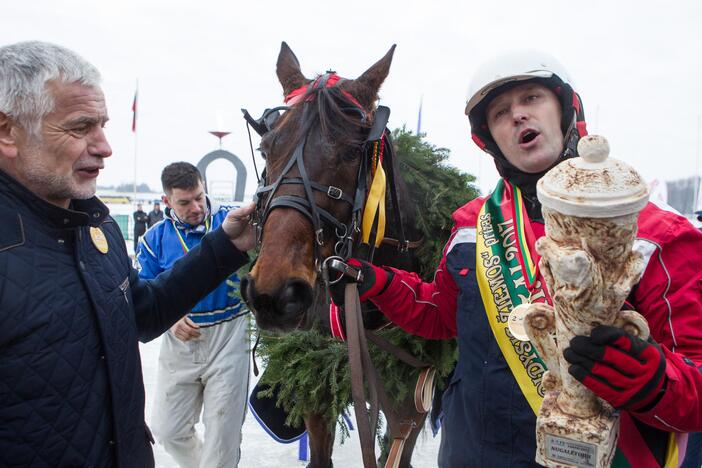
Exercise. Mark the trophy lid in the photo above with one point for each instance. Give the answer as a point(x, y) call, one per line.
point(593, 185)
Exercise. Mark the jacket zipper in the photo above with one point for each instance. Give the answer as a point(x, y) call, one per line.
point(124, 287)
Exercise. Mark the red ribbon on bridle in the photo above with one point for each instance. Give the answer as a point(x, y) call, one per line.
point(335, 322)
point(332, 79)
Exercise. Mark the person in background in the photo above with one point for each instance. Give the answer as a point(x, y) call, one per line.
point(155, 215)
point(140, 220)
point(204, 359)
point(525, 114)
point(72, 308)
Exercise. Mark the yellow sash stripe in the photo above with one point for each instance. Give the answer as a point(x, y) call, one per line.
point(671, 452)
point(500, 329)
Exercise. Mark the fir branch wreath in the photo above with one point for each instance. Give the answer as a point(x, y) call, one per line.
point(310, 369)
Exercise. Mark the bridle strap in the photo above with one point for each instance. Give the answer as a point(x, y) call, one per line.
point(303, 206)
point(394, 198)
point(361, 365)
point(330, 190)
point(314, 211)
point(407, 245)
point(359, 357)
point(307, 205)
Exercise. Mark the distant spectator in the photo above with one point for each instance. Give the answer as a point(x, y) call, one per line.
point(140, 220)
point(155, 215)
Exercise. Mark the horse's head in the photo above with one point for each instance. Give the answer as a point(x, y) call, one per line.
point(314, 160)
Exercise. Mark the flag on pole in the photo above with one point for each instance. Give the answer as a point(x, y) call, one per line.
point(134, 109)
point(419, 116)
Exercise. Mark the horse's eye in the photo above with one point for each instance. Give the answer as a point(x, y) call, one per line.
point(351, 154)
point(261, 152)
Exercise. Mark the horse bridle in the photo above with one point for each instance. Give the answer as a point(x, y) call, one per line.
point(267, 201)
point(359, 359)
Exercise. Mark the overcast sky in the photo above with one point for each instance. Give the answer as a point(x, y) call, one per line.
point(636, 65)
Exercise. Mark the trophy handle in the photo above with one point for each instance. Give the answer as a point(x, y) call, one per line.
point(633, 323)
point(540, 323)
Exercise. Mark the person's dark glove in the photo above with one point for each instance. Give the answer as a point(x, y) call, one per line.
point(620, 368)
point(374, 282)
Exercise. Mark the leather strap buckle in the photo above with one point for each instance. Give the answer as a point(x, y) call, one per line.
point(334, 192)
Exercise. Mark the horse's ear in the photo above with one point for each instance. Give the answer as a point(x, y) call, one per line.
point(365, 87)
point(288, 70)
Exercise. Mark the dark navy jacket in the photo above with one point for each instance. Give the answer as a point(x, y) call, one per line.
point(71, 387)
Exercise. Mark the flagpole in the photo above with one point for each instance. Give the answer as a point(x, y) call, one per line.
point(136, 140)
point(419, 115)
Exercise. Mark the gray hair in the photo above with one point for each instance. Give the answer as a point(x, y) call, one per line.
point(25, 70)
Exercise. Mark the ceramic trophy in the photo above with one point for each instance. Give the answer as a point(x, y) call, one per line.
point(590, 207)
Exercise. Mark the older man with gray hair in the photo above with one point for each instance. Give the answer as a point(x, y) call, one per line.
point(71, 306)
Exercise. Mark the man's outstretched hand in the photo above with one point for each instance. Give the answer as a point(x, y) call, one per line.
point(620, 368)
point(237, 225)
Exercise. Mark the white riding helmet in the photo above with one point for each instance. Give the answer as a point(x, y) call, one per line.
point(512, 69)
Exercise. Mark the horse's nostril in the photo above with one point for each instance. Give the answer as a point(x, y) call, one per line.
point(295, 298)
point(284, 310)
point(246, 283)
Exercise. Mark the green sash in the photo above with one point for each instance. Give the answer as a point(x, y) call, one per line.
point(508, 276)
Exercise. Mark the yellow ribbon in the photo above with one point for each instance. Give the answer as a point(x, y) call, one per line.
point(375, 203)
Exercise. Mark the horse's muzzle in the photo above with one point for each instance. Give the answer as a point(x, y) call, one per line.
point(284, 310)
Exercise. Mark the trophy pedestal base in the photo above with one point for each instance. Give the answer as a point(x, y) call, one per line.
point(565, 441)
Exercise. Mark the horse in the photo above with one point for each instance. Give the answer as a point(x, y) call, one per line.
point(307, 211)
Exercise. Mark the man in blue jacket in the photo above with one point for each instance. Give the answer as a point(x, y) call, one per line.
point(71, 306)
point(204, 357)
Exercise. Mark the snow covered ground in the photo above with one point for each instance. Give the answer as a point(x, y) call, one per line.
point(259, 450)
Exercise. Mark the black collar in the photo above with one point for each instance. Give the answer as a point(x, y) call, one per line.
point(90, 212)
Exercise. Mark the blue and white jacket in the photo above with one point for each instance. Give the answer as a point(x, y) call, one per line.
point(161, 246)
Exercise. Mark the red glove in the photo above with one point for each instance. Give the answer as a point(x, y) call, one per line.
point(622, 369)
point(374, 282)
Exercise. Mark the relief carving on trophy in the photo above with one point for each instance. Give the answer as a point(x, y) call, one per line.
point(590, 206)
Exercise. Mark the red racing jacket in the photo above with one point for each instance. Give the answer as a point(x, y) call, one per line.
point(487, 421)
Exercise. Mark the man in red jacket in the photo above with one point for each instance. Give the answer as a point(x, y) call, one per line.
point(525, 114)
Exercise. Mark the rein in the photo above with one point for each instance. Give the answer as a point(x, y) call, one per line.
point(361, 365)
point(367, 218)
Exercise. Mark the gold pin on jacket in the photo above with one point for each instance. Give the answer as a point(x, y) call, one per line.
point(99, 239)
